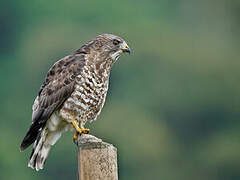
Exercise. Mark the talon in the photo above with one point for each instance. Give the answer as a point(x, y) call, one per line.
point(85, 131)
point(80, 131)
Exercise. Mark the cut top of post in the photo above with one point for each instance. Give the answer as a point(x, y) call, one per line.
point(97, 160)
point(87, 141)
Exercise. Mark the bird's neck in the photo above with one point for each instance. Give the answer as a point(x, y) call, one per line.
point(100, 65)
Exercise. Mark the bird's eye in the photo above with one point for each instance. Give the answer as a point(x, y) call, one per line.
point(116, 42)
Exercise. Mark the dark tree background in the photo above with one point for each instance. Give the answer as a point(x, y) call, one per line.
point(173, 106)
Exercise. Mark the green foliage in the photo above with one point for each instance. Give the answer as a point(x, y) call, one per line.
point(173, 106)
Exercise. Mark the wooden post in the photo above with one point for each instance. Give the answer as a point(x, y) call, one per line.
point(97, 160)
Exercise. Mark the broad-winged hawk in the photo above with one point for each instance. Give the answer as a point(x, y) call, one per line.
point(72, 93)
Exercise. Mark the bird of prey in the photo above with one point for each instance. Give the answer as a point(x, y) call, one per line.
point(72, 93)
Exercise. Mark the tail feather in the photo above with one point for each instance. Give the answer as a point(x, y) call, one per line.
point(42, 148)
point(32, 134)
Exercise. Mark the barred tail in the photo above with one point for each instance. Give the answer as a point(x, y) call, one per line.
point(42, 148)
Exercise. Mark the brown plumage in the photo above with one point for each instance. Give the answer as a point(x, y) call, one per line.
point(75, 88)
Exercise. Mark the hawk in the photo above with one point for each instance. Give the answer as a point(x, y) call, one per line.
point(73, 92)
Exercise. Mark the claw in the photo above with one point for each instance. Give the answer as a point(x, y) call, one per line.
point(85, 131)
point(78, 130)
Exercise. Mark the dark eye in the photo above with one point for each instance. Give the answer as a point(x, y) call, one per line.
point(116, 42)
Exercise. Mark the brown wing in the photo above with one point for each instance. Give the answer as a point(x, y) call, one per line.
point(57, 87)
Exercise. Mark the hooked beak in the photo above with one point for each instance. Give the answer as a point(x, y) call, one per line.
point(126, 49)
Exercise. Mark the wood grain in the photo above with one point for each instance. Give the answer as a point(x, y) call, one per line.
point(97, 160)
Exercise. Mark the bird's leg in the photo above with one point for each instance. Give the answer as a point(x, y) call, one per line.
point(79, 130)
point(76, 127)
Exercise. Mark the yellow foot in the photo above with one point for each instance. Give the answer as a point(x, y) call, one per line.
point(78, 130)
point(85, 131)
point(82, 131)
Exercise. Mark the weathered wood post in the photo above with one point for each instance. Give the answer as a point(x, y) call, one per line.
point(97, 160)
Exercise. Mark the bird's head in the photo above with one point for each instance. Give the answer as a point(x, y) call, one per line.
point(110, 44)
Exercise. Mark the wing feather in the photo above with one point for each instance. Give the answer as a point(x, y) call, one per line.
point(56, 88)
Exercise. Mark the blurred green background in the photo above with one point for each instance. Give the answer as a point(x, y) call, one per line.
point(173, 105)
